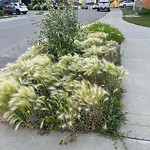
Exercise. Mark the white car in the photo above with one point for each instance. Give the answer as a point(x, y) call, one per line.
point(126, 4)
point(103, 5)
point(20, 8)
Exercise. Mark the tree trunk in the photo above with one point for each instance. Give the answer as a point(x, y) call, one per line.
point(137, 6)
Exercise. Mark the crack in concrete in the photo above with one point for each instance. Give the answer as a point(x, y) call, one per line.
point(138, 139)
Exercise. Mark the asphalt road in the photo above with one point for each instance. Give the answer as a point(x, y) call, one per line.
point(16, 32)
point(14, 36)
point(89, 16)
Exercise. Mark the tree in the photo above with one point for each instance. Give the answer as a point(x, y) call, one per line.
point(137, 6)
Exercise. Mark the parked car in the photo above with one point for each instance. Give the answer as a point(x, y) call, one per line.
point(103, 5)
point(95, 6)
point(126, 4)
point(7, 7)
point(84, 6)
point(20, 8)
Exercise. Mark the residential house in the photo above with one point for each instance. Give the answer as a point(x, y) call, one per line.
point(146, 4)
point(115, 4)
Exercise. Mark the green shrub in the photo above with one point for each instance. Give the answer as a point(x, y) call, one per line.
point(1, 13)
point(59, 29)
point(144, 12)
point(113, 33)
point(30, 7)
point(37, 7)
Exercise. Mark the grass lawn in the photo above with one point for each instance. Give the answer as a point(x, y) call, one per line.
point(3, 17)
point(143, 20)
point(7, 16)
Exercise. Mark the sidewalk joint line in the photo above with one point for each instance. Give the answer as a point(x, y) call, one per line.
point(138, 139)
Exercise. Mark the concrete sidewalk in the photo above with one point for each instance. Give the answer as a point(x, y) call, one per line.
point(136, 52)
point(136, 59)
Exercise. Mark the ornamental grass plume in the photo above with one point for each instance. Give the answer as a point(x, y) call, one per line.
point(75, 92)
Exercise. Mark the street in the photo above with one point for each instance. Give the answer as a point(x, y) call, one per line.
point(17, 33)
point(89, 16)
point(14, 35)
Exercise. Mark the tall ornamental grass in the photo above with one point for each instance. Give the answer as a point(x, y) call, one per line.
point(69, 81)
